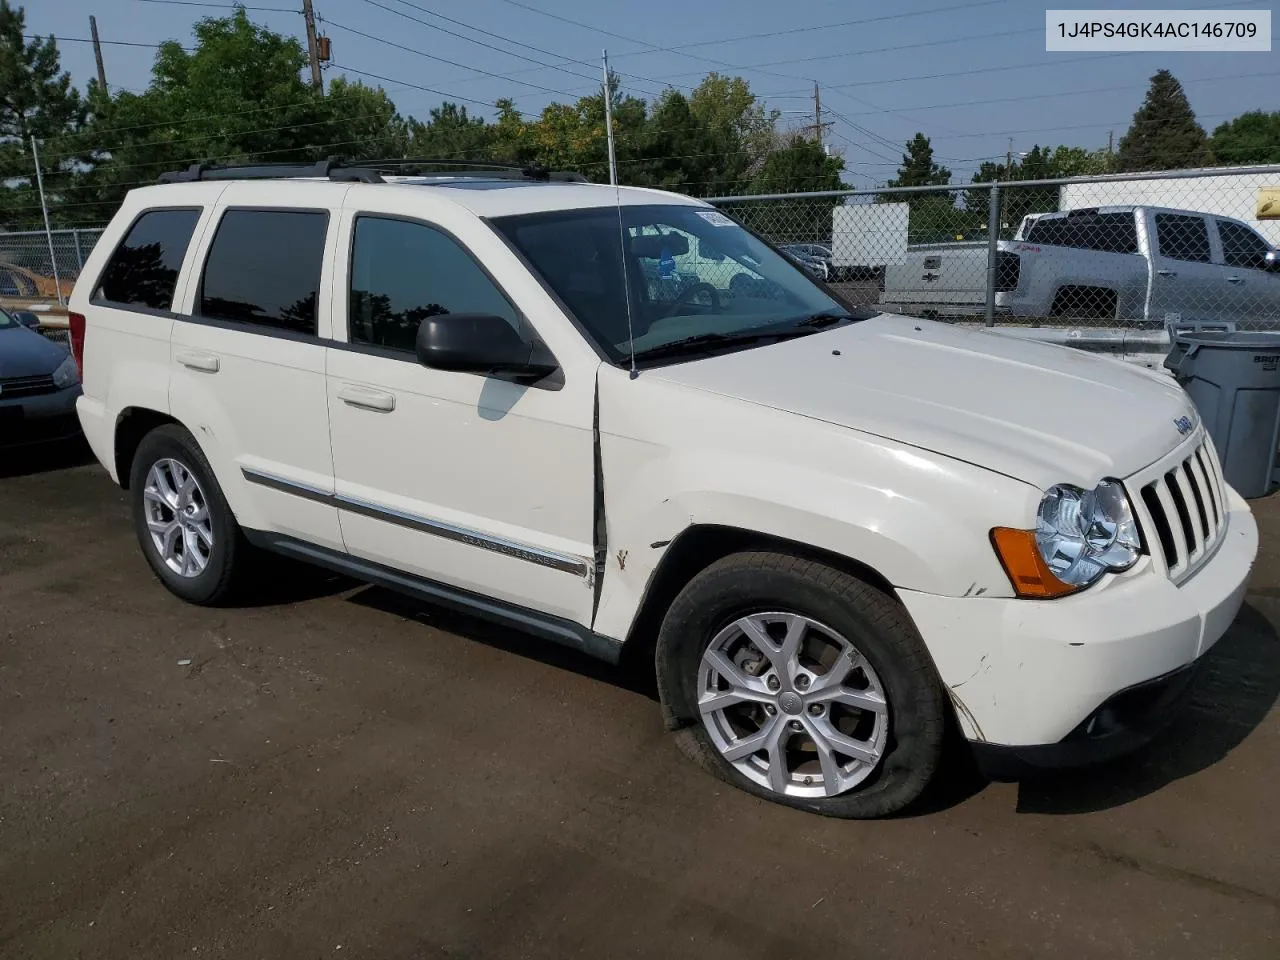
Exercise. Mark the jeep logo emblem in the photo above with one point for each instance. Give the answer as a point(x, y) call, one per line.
point(1184, 425)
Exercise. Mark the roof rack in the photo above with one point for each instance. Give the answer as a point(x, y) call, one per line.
point(370, 171)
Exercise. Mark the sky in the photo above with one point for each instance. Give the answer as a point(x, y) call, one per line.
point(973, 75)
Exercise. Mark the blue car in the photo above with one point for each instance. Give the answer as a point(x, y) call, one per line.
point(39, 384)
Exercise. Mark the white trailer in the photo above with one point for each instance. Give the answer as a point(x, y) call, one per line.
point(1218, 191)
point(866, 237)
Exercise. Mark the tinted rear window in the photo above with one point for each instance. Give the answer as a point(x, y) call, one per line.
point(143, 270)
point(264, 269)
point(1109, 232)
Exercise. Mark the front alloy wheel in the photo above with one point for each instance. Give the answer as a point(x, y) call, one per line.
point(792, 705)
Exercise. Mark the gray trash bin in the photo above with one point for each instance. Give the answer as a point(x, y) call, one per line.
point(1234, 381)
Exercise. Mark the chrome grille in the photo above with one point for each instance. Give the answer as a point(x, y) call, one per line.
point(11, 387)
point(1181, 508)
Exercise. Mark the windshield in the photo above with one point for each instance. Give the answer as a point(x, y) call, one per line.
point(692, 274)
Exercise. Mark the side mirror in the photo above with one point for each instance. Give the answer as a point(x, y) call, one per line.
point(27, 319)
point(480, 343)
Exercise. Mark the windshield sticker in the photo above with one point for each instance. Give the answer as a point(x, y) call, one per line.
point(666, 264)
point(716, 218)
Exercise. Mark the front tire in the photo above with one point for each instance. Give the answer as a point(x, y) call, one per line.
point(803, 685)
point(185, 528)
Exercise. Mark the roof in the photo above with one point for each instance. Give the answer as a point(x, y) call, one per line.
point(485, 195)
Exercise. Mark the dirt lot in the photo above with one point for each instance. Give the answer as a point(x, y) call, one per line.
point(337, 772)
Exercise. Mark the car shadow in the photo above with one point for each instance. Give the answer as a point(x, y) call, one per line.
point(634, 673)
point(280, 581)
point(47, 457)
point(1234, 693)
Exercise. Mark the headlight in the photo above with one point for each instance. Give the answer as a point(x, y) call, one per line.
point(1082, 535)
point(1079, 536)
point(66, 375)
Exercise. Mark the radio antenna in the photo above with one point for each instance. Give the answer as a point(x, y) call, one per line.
point(617, 202)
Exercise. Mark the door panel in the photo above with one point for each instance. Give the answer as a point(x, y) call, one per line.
point(1186, 283)
point(475, 482)
point(248, 370)
point(1256, 288)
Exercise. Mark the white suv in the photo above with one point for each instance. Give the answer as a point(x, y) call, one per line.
point(616, 417)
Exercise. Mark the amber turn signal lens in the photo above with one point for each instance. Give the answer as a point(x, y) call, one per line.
point(1029, 574)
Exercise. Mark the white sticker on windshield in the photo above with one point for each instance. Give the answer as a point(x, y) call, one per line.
point(716, 218)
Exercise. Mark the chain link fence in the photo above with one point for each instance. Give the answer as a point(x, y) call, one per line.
point(1119, 259)
point(28, 271)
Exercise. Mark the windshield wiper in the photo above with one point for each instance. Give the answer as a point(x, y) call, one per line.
point(712, 341)
point(823, 319)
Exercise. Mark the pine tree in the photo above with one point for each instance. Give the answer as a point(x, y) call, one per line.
point(918, 168)
point(1165, 134)
point(36, 100)
point(933, 215)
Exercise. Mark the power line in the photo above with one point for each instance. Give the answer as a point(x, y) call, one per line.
point(452, 63)
point(223, 6)
point(826, 26)
point(418, 86)
point(114, 43)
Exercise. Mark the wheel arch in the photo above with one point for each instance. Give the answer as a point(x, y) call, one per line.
point(698, 546)
point(132, 425)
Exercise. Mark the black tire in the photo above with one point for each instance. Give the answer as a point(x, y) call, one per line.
point(877, 626)
point(219, 581)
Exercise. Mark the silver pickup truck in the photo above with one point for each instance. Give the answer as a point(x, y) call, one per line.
point(1137, 263)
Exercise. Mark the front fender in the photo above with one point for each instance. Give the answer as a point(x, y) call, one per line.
point(920, 520)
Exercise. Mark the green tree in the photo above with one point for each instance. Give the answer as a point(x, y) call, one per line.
point(1252, 137)
point(36, 100)
point(736, 131)
point(801, 166)
point(933, 215)
point(1164, 134)
point(237, 97)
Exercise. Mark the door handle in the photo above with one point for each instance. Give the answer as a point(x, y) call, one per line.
point(198, 361)
point(1167, 273)
point(367, 399)
point(1235, 279)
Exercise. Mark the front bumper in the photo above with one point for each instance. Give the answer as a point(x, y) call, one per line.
point(43, 418)
point(1035, 673)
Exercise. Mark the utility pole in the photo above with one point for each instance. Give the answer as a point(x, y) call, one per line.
point(608, 118)
point(97, 52)
point(1111, 139)
point(818, 125)
point(1008, 160)
point(313, 50)
point(48, 232)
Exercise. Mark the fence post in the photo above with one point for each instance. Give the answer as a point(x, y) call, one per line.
point(993, 238)
point(48, 233)
point(75, 238)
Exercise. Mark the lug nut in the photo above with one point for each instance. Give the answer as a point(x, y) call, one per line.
point(815, 709)
point(802, 682)
point(773, 683)
point(770, 709)
point(796, 725)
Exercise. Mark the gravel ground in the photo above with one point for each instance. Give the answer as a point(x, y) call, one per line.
point(334, 771)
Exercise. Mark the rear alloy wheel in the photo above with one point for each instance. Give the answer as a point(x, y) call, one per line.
point(184, 525)
point(178, 519)
point(801, 684)
point(793, 705)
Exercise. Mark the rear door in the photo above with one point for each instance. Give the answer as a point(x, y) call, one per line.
point(1186, 283)
point(248, 357)
point(474, 482)
point(1246, 275)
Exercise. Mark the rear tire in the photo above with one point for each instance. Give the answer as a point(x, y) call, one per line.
point(855, 710)
point(185, 527)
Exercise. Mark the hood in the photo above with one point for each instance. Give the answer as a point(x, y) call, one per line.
point(26, 353)
point(1036, 412)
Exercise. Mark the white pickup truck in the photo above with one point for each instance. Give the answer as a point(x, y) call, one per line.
point(1139, 263)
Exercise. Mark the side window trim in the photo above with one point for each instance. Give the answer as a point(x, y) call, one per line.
point(347, 273)
point(193, 245)
point(197, 281)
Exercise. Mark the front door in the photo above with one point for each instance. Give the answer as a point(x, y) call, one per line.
point(480, 484)
point(1186, 284)
point(1249, 277)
